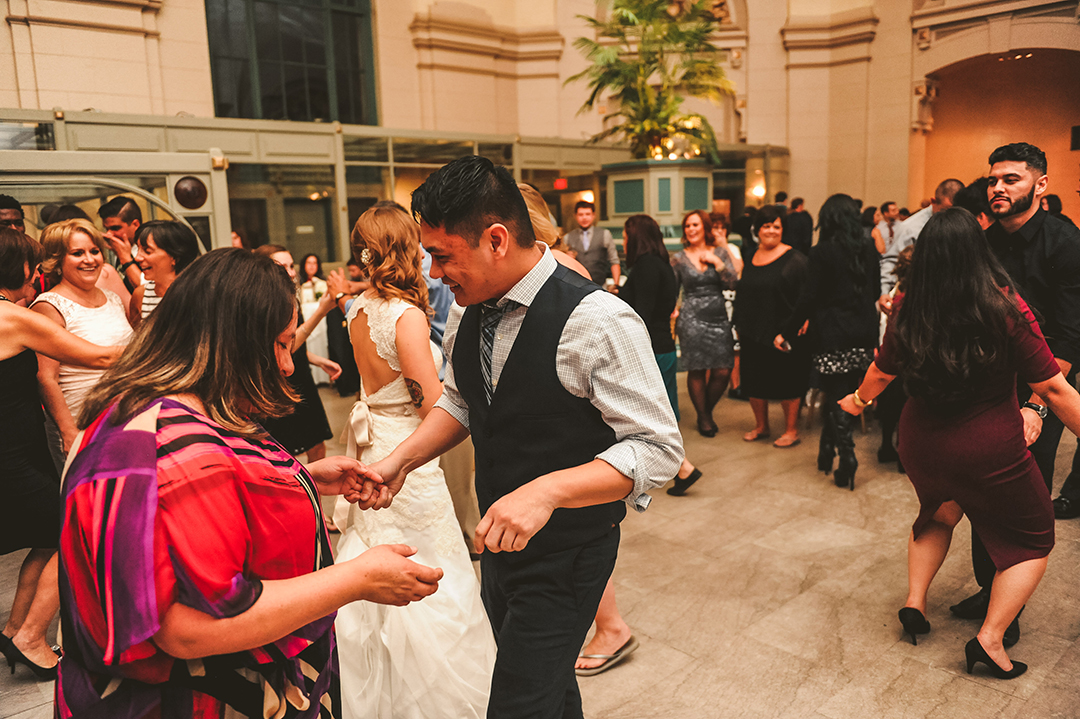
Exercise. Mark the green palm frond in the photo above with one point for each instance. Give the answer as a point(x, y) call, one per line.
point(647, 59)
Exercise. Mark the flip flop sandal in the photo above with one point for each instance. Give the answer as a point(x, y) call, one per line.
point(756, 437)
point(610, 660)
point(789, 445)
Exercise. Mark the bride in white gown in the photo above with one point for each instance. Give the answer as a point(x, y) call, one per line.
point(432, 658)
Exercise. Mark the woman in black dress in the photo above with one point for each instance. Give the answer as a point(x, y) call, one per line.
point(306, 429)
point(30, 505)
point(771, 283)
point(839, 301)
point(652, 290)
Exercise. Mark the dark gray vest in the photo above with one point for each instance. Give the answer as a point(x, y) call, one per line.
point(533, 425)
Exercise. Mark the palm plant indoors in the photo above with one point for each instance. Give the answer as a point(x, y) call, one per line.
point(648, 55)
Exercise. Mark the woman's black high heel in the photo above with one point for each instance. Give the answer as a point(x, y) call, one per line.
point(14, 656)
point(975, 653)
point(914, 623)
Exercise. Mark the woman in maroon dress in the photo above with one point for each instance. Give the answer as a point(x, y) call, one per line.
point(960, 340)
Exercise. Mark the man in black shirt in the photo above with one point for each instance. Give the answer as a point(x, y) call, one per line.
point(1042, 256)
point(799, 227)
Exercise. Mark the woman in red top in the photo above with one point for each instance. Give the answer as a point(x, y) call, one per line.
point(195, 572)
point(960, 340)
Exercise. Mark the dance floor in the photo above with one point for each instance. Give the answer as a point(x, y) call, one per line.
point(768, 593)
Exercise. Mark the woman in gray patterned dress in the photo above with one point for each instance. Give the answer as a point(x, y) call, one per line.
point(704, 271)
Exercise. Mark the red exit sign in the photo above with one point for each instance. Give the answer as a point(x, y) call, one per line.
point(560, 183)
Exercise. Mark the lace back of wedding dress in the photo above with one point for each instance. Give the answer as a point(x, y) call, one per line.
point(432, 658)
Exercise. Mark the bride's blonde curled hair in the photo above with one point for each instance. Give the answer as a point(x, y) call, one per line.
point(391, 239)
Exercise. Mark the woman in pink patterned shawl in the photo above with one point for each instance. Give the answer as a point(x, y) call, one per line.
point(196, 576)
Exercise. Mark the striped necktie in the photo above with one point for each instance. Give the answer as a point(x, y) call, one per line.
point(489, 322)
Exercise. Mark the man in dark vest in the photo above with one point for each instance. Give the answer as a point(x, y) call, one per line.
point(593, 246)
point(557, 384)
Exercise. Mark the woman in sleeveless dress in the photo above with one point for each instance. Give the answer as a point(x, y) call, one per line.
point(29, 483)
point(432, 658)
point(704, 271)
point(74, 258)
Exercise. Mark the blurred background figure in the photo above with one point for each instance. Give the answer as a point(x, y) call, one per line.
point(771, 283)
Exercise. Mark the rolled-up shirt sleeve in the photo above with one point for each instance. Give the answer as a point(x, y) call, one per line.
point(605, 355)
point(612, 251)
point(451, 400)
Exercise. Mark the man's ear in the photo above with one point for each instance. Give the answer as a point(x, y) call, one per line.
point(1041, 185)
point(499, 237)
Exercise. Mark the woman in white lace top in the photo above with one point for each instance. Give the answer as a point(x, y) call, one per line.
point(432, 658)
point(74, 257)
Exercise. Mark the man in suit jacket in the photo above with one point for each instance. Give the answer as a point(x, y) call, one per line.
point(556, 382)
point(593, 246)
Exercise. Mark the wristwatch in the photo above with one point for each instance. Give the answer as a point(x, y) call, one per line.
point(339, 295)
point(1041, 409)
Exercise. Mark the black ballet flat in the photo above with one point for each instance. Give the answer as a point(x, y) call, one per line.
point(679, 486)
point(14, 656)
point(914, 623)
point(975, 653)
point(707, 430)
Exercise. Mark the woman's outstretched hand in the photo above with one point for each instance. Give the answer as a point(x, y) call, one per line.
point(351, 478)
point(389, 577)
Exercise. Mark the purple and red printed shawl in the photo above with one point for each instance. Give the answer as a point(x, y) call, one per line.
point(170, 507)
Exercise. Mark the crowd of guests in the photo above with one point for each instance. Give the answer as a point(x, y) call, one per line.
point(195, 568)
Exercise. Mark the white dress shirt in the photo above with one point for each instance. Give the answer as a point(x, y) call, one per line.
point(604, 355)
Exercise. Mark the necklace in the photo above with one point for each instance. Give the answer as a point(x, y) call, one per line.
point(5, 299)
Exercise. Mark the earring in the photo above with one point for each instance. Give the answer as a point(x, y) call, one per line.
point(365, 256)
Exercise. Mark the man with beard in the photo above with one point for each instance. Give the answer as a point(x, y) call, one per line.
point(1042, 256)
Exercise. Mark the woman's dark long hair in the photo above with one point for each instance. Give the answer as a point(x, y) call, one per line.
point(212, 336)
point(304, 277)
point(643, 237)
point(953, 325)
point(839, 224)
point(175, 238)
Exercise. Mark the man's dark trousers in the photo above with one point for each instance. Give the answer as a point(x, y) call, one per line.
point(540, 609)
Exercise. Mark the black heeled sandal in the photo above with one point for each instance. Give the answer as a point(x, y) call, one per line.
point(15, 656)
point(975, 653)
point(914, 623)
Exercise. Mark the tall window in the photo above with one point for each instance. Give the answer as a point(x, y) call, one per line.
point(292, 59)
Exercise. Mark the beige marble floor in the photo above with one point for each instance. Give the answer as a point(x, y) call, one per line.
point(767, 592)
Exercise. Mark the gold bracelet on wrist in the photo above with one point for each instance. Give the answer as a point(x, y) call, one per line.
point(859, 401)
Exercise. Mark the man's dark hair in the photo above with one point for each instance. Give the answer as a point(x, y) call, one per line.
point(973, 198)
point(947, 189)
point(1030, 155)
point(122, 207)
point(885, 206)
point(905, 212)
point(582, 204)
point(780, 197)
point(796, 203)
point(175, 238)
point(7, 202)
point(69, 212)
point(468, 195)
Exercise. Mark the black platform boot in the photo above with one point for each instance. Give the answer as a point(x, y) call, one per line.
point(844, 424)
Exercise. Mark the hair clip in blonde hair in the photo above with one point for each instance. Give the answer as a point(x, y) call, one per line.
point(365, 256)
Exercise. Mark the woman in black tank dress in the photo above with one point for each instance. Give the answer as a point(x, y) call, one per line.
point(30, 487)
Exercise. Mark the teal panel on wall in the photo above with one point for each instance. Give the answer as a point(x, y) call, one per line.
point(663, 193)
point(696, 194)
point(629, 196)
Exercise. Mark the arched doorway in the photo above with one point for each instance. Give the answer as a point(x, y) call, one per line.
point(1025, 95)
